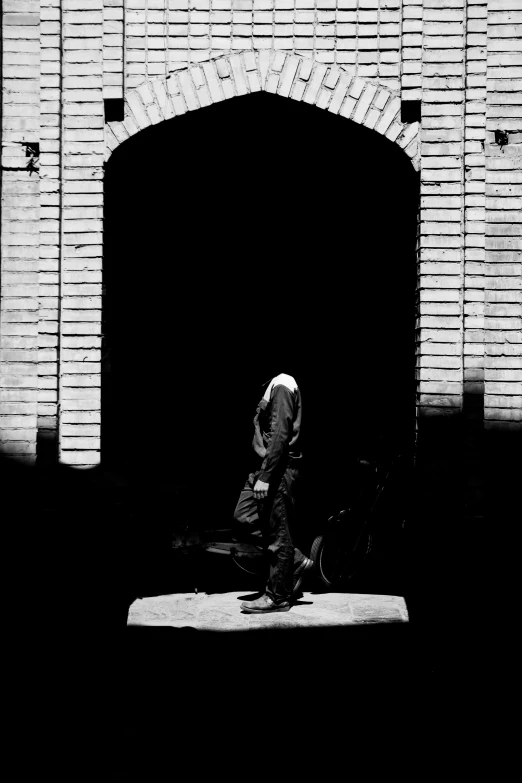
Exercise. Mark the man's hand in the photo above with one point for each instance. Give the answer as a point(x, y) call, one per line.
point(260, 490)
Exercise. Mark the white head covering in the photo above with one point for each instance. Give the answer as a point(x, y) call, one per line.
point(281, 379)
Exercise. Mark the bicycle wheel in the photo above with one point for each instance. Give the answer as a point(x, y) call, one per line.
point(335, 557)
point(251, 564)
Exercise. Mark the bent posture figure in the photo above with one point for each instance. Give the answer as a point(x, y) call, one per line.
point(266, 506)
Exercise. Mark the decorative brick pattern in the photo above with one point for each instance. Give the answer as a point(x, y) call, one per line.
point(326, 87)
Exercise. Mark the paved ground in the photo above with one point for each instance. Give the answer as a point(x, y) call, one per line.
point(221, 611)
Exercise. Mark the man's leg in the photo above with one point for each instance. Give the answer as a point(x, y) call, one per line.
point(247, 523)
point(284, 556)
point(275, 517)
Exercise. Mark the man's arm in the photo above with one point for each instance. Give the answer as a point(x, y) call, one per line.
point(283, 403)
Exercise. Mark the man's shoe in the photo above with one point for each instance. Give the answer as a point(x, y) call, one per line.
point(300, 573)
point(265, 604)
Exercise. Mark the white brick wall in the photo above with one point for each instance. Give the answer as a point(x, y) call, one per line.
point(357, 58)
point(164, 35)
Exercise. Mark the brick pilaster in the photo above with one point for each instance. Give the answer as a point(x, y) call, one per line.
point(474, 256)
point(440, 321)
point(411, 50)
point(113, 48)
point(503, 306)
point(50, 223)
point(82, 223)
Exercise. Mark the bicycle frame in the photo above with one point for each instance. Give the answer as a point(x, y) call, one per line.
point(363, 509)
point(378, 492)
point(346, 540)
point(215, 541)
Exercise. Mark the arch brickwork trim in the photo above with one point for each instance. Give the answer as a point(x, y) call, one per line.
point(334, 89)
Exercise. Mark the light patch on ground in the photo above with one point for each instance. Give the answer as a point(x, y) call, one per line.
point(221, 611)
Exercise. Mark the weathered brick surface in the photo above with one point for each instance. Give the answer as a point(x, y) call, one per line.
point(357, 58)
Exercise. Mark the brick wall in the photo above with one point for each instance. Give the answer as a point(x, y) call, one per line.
point(374, 62)
point(163, 35)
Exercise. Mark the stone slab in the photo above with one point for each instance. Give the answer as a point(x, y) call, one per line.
point(221, 611)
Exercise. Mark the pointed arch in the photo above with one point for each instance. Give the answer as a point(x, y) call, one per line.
point(293, 76)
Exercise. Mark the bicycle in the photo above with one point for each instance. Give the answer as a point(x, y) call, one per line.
point(248, 557)
point(341, 549)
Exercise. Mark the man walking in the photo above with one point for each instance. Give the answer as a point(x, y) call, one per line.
point(266, 506)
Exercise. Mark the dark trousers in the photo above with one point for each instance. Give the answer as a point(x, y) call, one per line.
point(270, 523)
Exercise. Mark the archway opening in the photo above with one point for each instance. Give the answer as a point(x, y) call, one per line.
point(256, 236)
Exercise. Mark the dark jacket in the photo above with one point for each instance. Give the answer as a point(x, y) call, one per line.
point(277, 432)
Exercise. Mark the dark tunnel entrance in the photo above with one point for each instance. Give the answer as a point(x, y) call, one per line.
point(257, 236)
